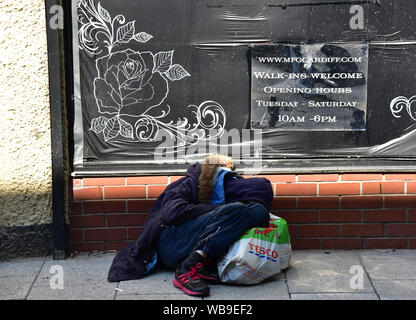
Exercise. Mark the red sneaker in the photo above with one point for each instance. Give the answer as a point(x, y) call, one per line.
point(188, 278)
point(208, 272)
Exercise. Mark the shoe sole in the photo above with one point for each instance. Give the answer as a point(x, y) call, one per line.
point(178, 285)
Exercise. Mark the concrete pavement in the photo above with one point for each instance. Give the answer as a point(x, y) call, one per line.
point(312, 275)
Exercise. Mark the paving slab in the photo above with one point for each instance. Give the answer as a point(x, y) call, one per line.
point(406, 254)
point(74, 292)
point(21, 267)
point(396, 289)
point(84, 278)
point(390, 264)
point(323, 280)
point(15, 288)
point(313, 275)
point(159, 282)
point(390, 268)
point(328, 271)
point(170, 297)
point(75, 273)
point(78, 269)
point(334, 296)
point(72, 280)
point(270, 290)
point(328, 259)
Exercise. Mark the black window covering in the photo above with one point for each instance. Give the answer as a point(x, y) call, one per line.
point(147, 71)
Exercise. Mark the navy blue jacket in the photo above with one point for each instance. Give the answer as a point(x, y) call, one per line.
point(176, 205)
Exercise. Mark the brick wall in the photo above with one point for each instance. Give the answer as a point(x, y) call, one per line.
point(324, 211)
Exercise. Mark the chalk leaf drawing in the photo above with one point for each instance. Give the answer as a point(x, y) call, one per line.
point(97, 30)
point(135, 84)
point(177, 72)
point(398, 104)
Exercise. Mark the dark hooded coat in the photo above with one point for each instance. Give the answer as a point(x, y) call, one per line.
point(176, 205)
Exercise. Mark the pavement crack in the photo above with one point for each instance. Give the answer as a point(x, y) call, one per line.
point(287, 284)
point(368, 275)
point(116, 291)
point(34, 280)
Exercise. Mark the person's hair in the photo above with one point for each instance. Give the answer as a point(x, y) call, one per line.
point(208, 168)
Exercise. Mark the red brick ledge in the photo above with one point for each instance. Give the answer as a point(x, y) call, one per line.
point(324, 211)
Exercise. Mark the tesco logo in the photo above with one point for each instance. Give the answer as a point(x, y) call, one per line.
point(263, 251)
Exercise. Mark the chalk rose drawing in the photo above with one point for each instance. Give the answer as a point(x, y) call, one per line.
point(125, 79)
point(135, 84)
point(398, 104)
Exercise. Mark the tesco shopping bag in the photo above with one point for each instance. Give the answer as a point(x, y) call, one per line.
point(258, 254)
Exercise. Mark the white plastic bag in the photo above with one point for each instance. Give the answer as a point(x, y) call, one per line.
point(258, 254)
